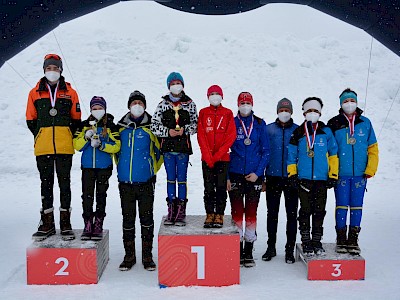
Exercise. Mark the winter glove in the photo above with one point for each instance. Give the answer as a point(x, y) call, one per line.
point(95, 143)
point(331, 182)
point(88, 134)
point(293, 181)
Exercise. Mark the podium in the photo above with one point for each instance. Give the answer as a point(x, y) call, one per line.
point(195, 256)
point(55, 261)
point(332, 265)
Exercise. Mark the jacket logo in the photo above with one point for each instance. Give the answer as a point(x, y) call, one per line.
point(209, 121)
point(209, 129)
point(240, 130)
point(65, 96)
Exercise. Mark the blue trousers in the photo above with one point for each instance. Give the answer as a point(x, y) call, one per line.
point(176, 165)
point(349, 193)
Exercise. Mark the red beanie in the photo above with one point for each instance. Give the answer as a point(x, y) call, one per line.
point(245, 97)
point(215, 89)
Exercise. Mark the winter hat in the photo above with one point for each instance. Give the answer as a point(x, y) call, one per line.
point(174, 76)
point(245, 97)
point(97, 100)
point(52, 59)
point(312, 103)
point(136, 95)
point(284, 103)
point(346, 95)
point(215, 89)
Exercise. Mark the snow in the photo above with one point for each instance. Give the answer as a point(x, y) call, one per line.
point(277, 51)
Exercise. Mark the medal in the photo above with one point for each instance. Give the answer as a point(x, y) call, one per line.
point(53, 112)
point(247, 141)
point(352, 140)
point(310, 153)
point(310, 143)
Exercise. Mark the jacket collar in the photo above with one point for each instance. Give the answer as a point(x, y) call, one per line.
point(42, 84)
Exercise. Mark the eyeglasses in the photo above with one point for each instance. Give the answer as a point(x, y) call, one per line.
point(52, 56)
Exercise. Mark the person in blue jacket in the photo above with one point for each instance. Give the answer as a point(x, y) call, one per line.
point(358, 160)
point(248, 158)
point(138, 162)
point(98, 140)
point(312, 168)
point(276, 182)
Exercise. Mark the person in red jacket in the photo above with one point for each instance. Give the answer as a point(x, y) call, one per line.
point(216, 133)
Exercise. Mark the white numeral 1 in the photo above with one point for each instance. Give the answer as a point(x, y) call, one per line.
point(199, 250)
point(65, 262)
point(337, 271)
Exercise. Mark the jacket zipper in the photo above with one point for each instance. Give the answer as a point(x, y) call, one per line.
point(283, 150)
point(130, 162)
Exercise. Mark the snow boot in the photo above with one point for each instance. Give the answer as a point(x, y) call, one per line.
point(130, 256)
point(269, 254)
point(208, 223)
point(46, 225)
point(180, 215)
point(241, 254)
point(317, 233)
point(306, 245)
point(248, 255)
point(169, 219)
point(352, 241)
point(289, 257)
point(341, 240)
point(65, 224)
point(218, 221)
point(97, 233)
point(147, 256)
point(88, 228)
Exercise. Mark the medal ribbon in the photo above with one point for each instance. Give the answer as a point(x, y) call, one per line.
point(53, 99)
point(351, 124)
point(309, 143)
point(244, 127)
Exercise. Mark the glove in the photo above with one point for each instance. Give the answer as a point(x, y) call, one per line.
point(331, 182)
point(95, 143)
point(88, 134)
point(367, 176)
point(293, 181)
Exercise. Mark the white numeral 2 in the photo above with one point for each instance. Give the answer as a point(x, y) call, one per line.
point(65, 262)
point(201, 259)
point(337, 270)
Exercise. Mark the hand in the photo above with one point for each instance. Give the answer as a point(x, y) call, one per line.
point(252, 177)
point(228, 185)
point(293, 181)
point(88, 134)
point(367, 176)
point(95, 143)
point(331, 183)
point(174, 133)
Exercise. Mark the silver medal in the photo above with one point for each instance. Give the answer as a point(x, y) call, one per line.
point(53, 112)
point(310, 153)
point(247, 141)
point(352, 141)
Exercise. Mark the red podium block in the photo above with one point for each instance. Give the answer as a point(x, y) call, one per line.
point(332, 265)
point(195, 256)
point(54, 261)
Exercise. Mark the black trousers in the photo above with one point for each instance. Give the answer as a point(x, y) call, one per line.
point(143, 194)
point(46, 165)
point(313, 194)
point(95, 179)
point(215, 194)
point(274, 187)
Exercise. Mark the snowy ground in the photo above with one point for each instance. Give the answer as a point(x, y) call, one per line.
point(274, 52)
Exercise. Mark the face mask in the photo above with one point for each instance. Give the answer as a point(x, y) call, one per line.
point(284, 116)
point(137, 110)
point(98, 114)
point(215, 100)
point(52, 76)
point(349, 107)
point(176, 89)
point(245, 109)
point(313, 117)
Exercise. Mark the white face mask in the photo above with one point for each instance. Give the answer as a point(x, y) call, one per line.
point(52, 76)
point(245, 109)
point(284, 116)
point(215, 100)
point(349, 107)
point(312, 116)
point(137, 110)
point(98, 114)
point(176, 89)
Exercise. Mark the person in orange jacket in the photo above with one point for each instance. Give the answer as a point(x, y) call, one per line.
point(53, 114)
point(216, 132)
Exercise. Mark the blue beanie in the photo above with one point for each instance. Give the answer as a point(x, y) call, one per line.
point(174, 76)
point(97, 100)
point(347, 95)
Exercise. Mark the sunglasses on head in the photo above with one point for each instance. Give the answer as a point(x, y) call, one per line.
point(53, 56)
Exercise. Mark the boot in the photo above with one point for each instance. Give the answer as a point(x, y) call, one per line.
point(46, 225)
point(270, 253)
point(352, 241)
point(169, 219)
point(97, 233)
point(147, 256)
point(289, 250)
point(218, 221)
point(65, 224)
point(341, 240)
point(180, 208)
point(88, 228)
point(241, 254)
point(317, 233)
point(130, 256)
point(248, 255)
point(306, 245)
point(208, 223)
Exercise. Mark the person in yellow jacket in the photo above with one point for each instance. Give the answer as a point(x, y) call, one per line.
point(52, 115)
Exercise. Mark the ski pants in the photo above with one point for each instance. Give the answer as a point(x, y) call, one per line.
point(176, 165)
point(244, 197)
point(349, 193)
point(143, 194)
point(46, 165)
point(215, 187)
point(274, 187)
point(95, 179)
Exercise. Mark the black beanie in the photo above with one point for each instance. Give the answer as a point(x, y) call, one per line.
point(136, 95)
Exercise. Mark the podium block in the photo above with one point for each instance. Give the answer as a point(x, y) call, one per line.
point(332, 265)
point(55, 261)
point(195, 256)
